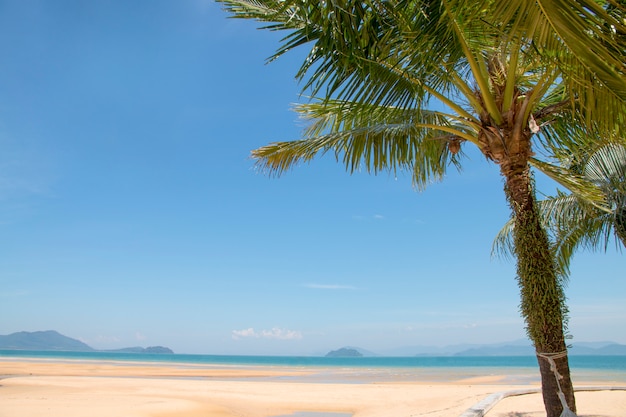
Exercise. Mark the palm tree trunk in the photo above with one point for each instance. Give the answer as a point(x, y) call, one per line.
point(542, 298)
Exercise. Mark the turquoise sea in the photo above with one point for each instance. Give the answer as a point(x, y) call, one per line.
point(576, 362)
point(518, 369)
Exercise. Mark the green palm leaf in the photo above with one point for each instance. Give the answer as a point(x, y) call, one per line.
point(586, 38)
point(577, 220)
point(373, 138)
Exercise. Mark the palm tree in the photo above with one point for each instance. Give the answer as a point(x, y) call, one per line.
point(575, 222)
point(406, 84)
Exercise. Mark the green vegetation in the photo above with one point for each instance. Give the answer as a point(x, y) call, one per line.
point(574, 222)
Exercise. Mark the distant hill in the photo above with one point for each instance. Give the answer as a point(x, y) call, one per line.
point(353, 351)
point(610, 349)
point(528, 350)
point(506, 350)
point(520, 347)
point(53, 340)
point(344, 353)
point(46, 340)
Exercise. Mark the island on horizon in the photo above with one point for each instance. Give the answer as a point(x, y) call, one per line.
point(51, 340)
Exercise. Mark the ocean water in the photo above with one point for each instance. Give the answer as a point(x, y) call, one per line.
point(517, 369)
point(576, 362)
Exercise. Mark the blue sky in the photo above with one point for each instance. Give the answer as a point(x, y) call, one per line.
point(131, 213)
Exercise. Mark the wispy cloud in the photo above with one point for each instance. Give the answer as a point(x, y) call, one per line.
point(370, 217)
point(274, 333)
point(330, 287)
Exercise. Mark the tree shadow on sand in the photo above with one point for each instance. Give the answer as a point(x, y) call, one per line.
point(518, 414)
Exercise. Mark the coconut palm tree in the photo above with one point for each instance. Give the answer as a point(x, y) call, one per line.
point(406, 84)
point(574, 222)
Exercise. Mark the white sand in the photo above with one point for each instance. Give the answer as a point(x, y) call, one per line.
point(97, 389)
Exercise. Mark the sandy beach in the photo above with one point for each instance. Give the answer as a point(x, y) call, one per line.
point(37, 388)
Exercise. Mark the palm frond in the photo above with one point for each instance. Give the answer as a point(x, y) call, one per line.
point(372, 138)
point(576, 222)
point(503, 244)
point(573, 225)
point(573, 182)
point(336, 115)
point(582, 37)
point(475, 61)
point(380, 52)
point(607, 167)
point(576, 225)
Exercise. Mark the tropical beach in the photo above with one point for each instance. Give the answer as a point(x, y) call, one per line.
point(33, 387)
point(140, 205)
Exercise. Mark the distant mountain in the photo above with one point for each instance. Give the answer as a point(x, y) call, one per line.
point(506, 350)
point(139, 349)
point(448, 350)
point(52, 340)
point(46, 340)
point(348, 351)
point(528, 350)
point(594, 345)
point(521, 347)
point(344, 353)
point(608, 350)
point(427, 350)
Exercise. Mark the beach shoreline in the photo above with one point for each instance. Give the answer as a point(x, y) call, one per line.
point(32, 387)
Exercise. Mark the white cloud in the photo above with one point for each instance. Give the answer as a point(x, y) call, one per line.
point(238, 334)
point(330, 287)
point(282, 334)
point(370, 217)
point(274, 333)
